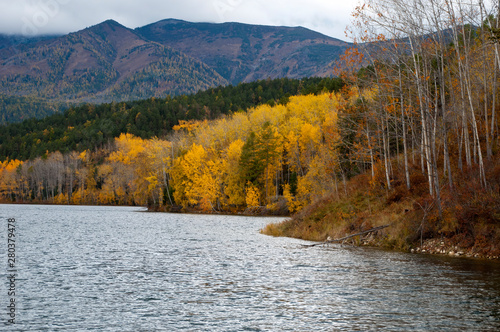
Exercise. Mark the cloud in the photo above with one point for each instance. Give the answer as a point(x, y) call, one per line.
point(63, 16)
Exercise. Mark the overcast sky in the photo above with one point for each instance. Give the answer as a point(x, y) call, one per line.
point(31, 17)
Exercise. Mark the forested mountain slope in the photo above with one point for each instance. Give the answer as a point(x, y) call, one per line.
point(103, 63)
point(243, 52)
point(92, 126)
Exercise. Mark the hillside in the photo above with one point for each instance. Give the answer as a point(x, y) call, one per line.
point(242, 52)
point(11, 45)
point(418, 155)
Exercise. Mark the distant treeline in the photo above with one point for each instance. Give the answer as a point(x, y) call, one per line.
point(93, 126)
point(17, 108)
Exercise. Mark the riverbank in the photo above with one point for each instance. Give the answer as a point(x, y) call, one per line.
point(468, 224)
point(277, 209)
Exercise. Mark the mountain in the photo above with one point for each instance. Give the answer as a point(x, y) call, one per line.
point(243, 53)
point(110, 62)
point(102, 63)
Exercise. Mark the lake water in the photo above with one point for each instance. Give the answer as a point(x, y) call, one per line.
point(84, 268)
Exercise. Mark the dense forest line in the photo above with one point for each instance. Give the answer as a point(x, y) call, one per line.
point(93, 126)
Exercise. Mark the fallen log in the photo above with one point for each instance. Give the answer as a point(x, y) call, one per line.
point(347, 237)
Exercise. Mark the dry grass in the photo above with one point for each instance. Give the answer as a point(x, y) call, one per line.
point(470, 214)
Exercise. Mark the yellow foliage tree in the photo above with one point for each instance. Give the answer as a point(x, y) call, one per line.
point(9, 182)
point(252, 196)
point(197, 178)
point(235, 187)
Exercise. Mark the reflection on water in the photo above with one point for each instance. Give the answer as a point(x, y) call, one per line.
point(116, 269)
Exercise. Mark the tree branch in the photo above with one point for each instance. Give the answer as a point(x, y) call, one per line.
point(348, 237)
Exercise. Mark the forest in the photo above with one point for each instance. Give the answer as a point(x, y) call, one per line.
point(92, 126)
point(246, 159)
point(411, 139)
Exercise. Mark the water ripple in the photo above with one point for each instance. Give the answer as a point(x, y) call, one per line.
point(113, 269)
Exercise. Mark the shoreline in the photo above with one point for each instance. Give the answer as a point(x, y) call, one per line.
point(431, 246)
point(442, 248)
point(434, 246)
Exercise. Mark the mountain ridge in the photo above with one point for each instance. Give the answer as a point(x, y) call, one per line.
point(244, 52)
